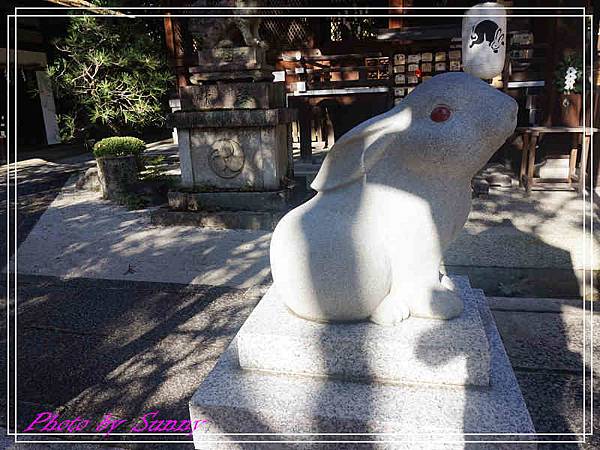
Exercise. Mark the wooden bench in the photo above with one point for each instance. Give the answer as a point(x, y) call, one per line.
point(531, 136)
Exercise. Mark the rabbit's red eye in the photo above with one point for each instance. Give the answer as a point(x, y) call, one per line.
point(440, 114)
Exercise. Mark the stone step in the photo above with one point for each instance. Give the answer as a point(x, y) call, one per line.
point(552, 168)
point(218, 220)
point(231, 201)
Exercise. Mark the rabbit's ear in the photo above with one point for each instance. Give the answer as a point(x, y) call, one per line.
point(353, 155)
point(342, 165)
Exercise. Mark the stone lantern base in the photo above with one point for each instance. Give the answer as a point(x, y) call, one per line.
point(235, 144)
point(247, 150)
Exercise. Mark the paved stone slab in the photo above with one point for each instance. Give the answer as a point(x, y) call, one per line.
point(549, 396)
point(545, 341)
point(418, 351)
point(40, 181)
point(237, 401)
point(544, 305)
point(555, 402)
point(123, 310)
point(526, 250)
point(526, 230)
point(522, 282)
point(81, 235)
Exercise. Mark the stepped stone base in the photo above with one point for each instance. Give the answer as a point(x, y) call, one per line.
point(230, 201)
point(234, 400)
point(218, 220)
point(419, 351)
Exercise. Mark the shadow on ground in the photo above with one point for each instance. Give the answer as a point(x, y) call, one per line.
point(92, 347)
point(545, 340)
point(39, 182)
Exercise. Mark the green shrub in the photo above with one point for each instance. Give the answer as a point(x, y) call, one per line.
point(119, 146)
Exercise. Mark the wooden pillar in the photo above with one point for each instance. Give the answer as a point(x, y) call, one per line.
point(533, 140)
point(552, 59)
point(305, 123)
point(396, 8)
point(178, 43)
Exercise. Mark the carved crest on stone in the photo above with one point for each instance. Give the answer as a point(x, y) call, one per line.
point(226, 158)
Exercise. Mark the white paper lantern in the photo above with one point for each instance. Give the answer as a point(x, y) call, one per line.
point(484, 40)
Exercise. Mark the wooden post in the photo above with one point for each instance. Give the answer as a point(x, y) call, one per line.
point(524, 159)
point(585, 147)
point(305, 123)
point(178, 45)
point(533, 140)
point(575, 138)
point(396, 8)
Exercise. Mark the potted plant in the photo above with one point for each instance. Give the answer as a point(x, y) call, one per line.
point(118, 160)
point(568, 80)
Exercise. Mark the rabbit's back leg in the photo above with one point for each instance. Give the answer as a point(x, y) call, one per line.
point(431, 298)
point(324, 265)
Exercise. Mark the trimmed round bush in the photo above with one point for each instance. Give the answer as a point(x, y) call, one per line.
point(119, 146)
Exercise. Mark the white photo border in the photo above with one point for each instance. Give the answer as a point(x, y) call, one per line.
point(587, 38)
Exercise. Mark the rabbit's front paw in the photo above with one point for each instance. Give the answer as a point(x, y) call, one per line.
point(391, 311)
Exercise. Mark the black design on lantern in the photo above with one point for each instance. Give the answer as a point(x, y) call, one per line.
point(487, 31)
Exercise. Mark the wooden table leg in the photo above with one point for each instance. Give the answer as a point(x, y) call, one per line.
point(524, 158)
point(572, 164)
point(583, 164)
point(531, 160)
point(573, 157)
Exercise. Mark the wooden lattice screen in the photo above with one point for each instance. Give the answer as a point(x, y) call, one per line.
point(298, 32)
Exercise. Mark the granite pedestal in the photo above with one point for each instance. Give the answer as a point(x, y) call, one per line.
point(234, 149)
point(423, 409)
point(275, 340)
point(234, 130)
point(234, 135)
